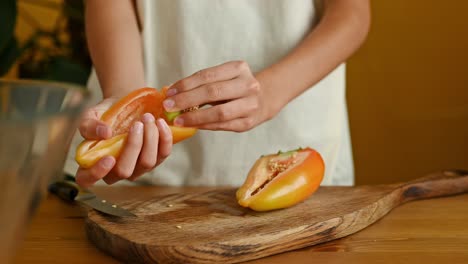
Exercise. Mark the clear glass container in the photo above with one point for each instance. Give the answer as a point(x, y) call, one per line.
point(37, 122)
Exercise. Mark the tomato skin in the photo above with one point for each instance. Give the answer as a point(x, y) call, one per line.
point(120, 117)
point(91, 151)
point(181, 133)
point(287, 188)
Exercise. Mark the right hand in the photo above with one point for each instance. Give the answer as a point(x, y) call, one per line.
point(149, 142)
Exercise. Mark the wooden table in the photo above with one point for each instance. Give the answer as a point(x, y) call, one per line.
point(429, 231)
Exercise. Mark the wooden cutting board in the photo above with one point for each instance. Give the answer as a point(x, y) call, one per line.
point(210, 227)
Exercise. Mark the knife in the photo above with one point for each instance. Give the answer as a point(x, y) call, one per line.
point(68, 190)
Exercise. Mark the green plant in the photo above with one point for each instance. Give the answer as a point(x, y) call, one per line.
point(57, 54)
point(8, 44)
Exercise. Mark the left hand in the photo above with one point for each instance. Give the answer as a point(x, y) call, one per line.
point(148, 144)
point(239, 102)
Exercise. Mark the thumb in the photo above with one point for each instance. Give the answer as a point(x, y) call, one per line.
point(91, 128)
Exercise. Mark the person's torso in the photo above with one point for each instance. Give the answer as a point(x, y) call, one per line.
point(183, 36)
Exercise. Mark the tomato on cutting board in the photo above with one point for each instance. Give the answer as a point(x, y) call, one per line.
point(281, 180)
point(121, 116)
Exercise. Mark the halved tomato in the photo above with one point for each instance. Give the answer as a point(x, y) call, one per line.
point(120, 118)
point(282, 180)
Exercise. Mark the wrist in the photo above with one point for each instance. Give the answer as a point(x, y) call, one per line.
point(276, 97)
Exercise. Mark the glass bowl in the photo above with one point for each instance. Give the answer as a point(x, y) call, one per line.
point(37, 122)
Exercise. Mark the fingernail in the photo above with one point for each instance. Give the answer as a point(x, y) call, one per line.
point(163, 124)
point(148, 118)
point(137, 128)
point(107, 162)
point(101, 131)
point(179, 121)
point(171, 92)
point(168, 104)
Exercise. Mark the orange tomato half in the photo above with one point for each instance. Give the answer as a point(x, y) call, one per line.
point(120, 118)
point(282, 180)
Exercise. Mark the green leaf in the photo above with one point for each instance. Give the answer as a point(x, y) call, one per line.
point(8, 45)
point(74, 9)
point(7, 27)
point(8, 56)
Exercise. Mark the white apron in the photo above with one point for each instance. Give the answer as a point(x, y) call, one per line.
point(183, 36)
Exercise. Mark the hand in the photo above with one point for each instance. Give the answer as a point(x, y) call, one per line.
point(149, 142)
point(238, 101)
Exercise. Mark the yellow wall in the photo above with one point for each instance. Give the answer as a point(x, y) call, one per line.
point(408, 91)
point(45, 16)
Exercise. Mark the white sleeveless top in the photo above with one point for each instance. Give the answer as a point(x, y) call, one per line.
point(183, 36)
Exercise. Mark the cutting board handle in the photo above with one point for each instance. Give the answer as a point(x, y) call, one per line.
point(442, 183)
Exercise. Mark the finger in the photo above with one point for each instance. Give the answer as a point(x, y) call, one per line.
point(236, 125)
point(165, 141)
point(94, 129)
point(212, 93)
point(87, 177)
point(129, 156)
point(164, 147)
point(218, 113)
point(149, 152)
point(134, 170)
point(222, 72)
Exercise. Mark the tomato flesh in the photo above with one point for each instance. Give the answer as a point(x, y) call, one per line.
point(281, 180)
point(120, 117)
point(131, 108)
point(91, 151)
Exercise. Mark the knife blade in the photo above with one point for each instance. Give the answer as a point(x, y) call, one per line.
point(68, 190)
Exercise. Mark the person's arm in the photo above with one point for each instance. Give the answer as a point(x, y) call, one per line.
point(340, 32)
point(247, 99)
point(115, 45)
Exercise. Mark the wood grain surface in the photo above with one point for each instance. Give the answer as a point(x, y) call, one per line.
point(209, 227)
point(432, 231)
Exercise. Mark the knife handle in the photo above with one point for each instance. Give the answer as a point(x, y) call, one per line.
point(68, 177)
point(65, 189)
